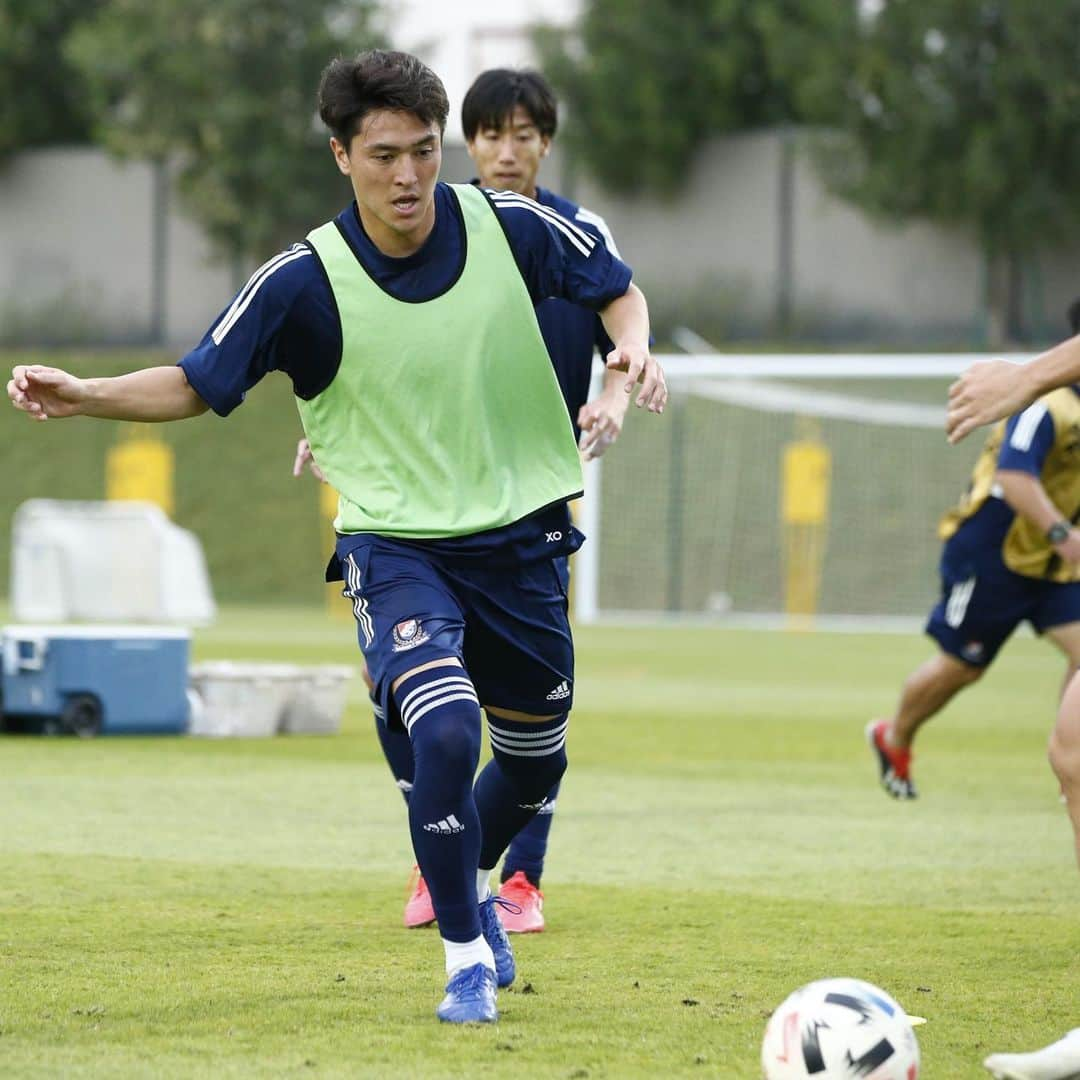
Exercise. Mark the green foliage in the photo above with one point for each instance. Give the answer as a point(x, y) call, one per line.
point(648, 84)
point(231, 908)
point(42, 96)
point(226, 88)
point(965, 112)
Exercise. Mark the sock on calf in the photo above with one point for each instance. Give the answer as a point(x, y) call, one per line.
point(528, 761)
point(439, 709)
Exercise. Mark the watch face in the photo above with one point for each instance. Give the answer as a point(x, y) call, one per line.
point(1057, 532)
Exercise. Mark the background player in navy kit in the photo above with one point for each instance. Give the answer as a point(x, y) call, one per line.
point(1012, 552)
point(509, 119)
point(410, 303)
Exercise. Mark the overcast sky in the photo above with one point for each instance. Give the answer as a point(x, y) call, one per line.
point(461, 38)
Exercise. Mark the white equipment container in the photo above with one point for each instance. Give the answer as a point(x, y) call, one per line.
point(117, 562)
point(317, 705)
point(254, 700)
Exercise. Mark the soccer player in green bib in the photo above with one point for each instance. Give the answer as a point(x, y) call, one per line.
point(408, 330)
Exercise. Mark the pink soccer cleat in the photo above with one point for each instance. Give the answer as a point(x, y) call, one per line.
point(418, 908)
point(529, 899)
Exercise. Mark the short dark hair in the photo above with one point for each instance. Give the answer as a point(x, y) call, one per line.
point(495, 94)
point(379, 79)
point(1073, 315)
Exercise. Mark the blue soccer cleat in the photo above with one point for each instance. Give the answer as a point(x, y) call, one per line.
point(494, 934)
point(470, 997)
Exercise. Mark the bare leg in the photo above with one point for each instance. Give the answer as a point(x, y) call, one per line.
point(928, 689)
point(1064, 750)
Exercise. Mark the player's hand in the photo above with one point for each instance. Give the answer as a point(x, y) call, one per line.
point(601, 422)
point(640, 367)
point(1069, 548)
point(303, 457)
point(41, 392)
point(989, 390)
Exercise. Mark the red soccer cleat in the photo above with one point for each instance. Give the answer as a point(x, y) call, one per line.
point(418, 909)
point(522, 892)
point(894, 766)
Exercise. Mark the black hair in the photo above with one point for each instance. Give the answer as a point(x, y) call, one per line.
point(495, 94)
point(379, 79)
point(1073, 316)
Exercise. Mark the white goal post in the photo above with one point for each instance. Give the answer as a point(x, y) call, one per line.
point(706, 512)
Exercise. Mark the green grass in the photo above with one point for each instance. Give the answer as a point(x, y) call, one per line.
point(185, 908)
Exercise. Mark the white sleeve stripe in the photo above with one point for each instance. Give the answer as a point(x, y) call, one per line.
point(601, 227)
point(1027, 425)
point(238, 299)
point(578, 237)
point(506, 197)
point(247, 294)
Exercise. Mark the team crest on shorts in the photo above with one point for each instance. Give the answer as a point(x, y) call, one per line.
point(973, 651)
point(408, 634)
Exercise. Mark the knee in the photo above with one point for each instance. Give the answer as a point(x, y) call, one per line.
point(532, 755)
point(958, 673)
point(452, 741)
point(1064, 754)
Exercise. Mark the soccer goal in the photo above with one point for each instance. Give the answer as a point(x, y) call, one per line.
point(790, 488)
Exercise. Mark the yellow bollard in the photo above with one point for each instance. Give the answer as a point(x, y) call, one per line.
point(804, 515)
point(141, 467)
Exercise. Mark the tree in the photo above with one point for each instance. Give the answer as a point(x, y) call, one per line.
point(226, 90)
point(647, 84)
point(966, 112)
point(42, 97)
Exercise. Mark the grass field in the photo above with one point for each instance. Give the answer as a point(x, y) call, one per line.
point(180, 908)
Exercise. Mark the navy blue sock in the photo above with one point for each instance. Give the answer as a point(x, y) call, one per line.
point(528, 761)
point(397, 749)
point(527, 849)
point(440, 711)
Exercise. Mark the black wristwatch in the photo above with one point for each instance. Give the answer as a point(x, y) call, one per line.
point(1058, 532)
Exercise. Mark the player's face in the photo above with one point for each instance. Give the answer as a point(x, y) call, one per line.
point(508, 158)
point(393, 163)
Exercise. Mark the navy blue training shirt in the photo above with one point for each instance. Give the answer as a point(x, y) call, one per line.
point(285, 319)
point(571, 332)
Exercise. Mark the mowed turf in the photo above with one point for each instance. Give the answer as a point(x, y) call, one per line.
point(178, 907)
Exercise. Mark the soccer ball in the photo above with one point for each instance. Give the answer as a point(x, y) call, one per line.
point(839, 1029)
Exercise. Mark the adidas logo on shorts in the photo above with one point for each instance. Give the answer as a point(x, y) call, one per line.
point(560, 693)
point(446, 827)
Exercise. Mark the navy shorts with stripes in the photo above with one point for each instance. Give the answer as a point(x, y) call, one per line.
point(507, 624)
point(983, 601)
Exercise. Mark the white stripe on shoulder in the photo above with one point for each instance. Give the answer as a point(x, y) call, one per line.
point(1026, 426)
point(254, 283)
point(506, 197)
point(578, 237)
point(601, 226)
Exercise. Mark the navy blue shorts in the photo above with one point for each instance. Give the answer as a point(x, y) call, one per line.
point(983, 601)
point(507, 624)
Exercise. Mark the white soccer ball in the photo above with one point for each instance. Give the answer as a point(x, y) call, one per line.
point(839, 1029)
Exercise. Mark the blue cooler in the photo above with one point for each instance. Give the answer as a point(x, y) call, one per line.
point(86, 680)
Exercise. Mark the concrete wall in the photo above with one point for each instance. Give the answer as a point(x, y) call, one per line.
point(77, 251)
point(80, 256)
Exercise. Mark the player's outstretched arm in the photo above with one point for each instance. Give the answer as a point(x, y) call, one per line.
point(626, 320)
point(994, 389)
point(150, 395)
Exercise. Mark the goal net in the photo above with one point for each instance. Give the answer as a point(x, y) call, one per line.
point(798, 486)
